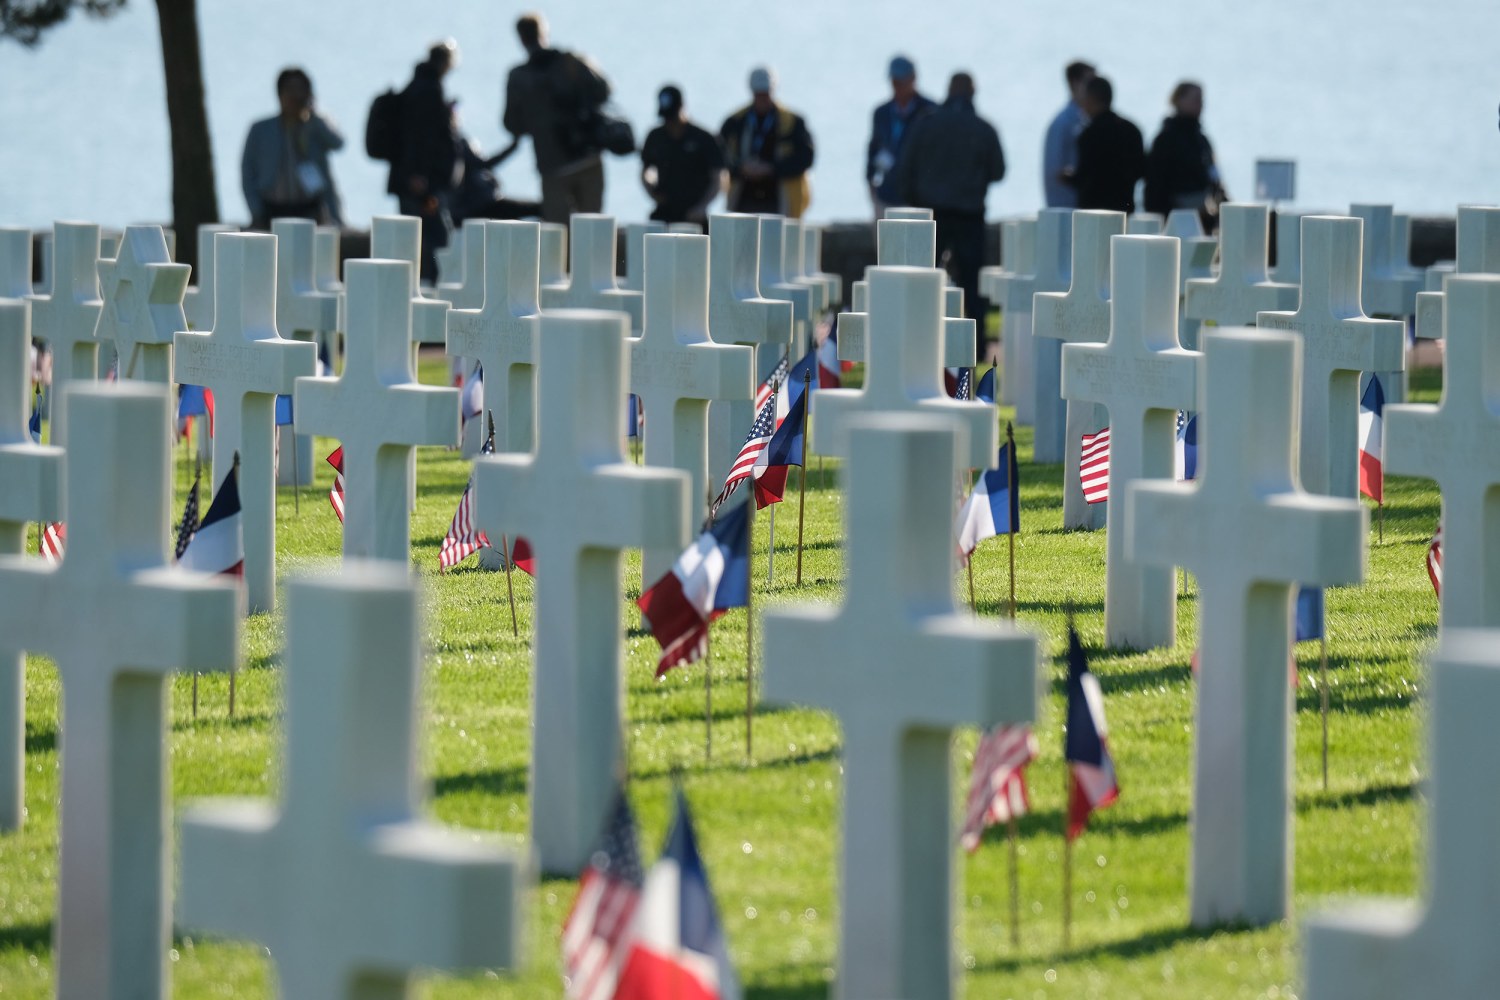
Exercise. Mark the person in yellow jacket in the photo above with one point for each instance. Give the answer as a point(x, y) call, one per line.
point(768, 152)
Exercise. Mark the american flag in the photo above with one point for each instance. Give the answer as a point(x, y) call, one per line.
point(54, 538)
point(464, 537)
point(776, 378)
point(595, 942)
point(997, 790)
point(1435, 561)
point(755, 444)
point(189, 525)
point(958, 382)
point(336, 495)
point(1093, 467)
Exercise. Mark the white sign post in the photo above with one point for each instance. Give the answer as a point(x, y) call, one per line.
point(344, 882)
point(902, 668)
point(578, 503)
point(1250, 535)
point(145, 621)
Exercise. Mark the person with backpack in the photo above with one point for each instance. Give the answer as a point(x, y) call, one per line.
point(413, 131)
point(556, 97)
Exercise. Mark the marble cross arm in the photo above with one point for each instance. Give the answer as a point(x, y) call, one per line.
point(430, 321)
point(469, 336)
point(229, 898)
point(715, 371)
point(31, 488)
point(200, 361)
point(197, 619)
point(406, 415)
point(959, 344)
point(833, 409)
point(30, 610)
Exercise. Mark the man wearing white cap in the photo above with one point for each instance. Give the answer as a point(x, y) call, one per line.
point(768, 151)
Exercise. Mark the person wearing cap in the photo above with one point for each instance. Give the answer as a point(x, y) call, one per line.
point(892, 122)
point(948, 164)
point(1060, 150)
point(682, 166)
point(768, 151)
point(426, 165)
point(555, 97)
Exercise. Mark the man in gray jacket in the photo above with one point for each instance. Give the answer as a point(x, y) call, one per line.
point(947, 164)
point(284, 170)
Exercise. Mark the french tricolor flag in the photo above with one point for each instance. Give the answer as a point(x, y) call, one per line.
point(1371, 406)
point(994, 508)
point(219, 544)
point(711, 577)
point(678, 950)
point(1087, 749)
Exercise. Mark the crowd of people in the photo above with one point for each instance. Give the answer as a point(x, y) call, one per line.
point(939, 155)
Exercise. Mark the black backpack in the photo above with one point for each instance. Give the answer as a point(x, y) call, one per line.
point(383, 127)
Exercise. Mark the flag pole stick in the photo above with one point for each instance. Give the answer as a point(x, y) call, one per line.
point(1323, 697)
point(802, 472)
point(974, 607)
point(771, 549)
point(510, 590)
point(749, 667)
point(1015, 882)
point(708, 695)
point(296, 473)
point(1010, 437)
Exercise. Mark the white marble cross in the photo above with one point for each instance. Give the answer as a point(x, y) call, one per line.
point(794, 267)
point(908, 243)
point(15, 262)
point(1243, 287)
point(144, 620)
point(67, 316)
point(1338, 342)
point(900, 212)
point(1011, 287)
point(677, 369)
point(1141, 377)
point(1288, 267)
point(1445, 946)
point(246, 364)
point(30, 490)
point(467, 248)
point(1054, 273)
point(198, 301)
point(1081, 315)
point(344, 881)
point(1390, 285)
point(591, 274)
point(1454, 443)
point(303, 312)
point(554, 263)
point(326, 269)
point(1250, 534)
point(902, 668)
point(378, 412)
point(1144, 224)
point(501, 334)
point(812, 264)
point(399, 237)
point(142, 309)
point(1478, 239)
point(776, 284)
point(635, 253)
point(578, 503)
point(904, 373)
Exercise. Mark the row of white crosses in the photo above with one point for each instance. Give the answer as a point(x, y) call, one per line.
point(1478, 252)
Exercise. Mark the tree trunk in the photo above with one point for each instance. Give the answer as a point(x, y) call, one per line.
point(194, 198)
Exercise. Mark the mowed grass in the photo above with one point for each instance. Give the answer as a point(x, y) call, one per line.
point(770, 829)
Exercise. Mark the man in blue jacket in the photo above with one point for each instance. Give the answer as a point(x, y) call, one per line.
point(284, 170)
point(892, 124)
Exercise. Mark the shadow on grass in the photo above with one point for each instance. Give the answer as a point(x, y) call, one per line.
point(1358, 798)
point(810, 987)
point(1141, 946)
point(1119, 681)
point(41, 741)
point(731, 759)
point(495, 781)
point(26, 937)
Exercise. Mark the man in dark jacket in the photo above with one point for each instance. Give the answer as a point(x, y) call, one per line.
point(555, 97)
point(892, 124)
point(426, 164)
point(682, 166)
point(1111, 153)
point(1180, 172)
point(948, 164)
point(768, 151)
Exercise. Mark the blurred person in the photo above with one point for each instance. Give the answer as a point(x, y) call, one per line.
point(426, 166)
point(889, 129)
point(1060, 150)
point(1180, 170)
point(768, 151)
point(948, 164)
point(555, 97)
point(284, 169)
point(682, 166)
point(1111, 153)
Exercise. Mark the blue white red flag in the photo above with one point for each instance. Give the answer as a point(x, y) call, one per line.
point(1309, 614)
point(1087, 750)
point(473, 394)
point(1371, 408)
point(218, 546)
point(994, 508)
point(677, 946)
point(632, 415)
point(784, 450)
point(830, 368)
point(595, 937)
point(986, 391)
point(34, 425)
point(711, 577)
point(194, 401)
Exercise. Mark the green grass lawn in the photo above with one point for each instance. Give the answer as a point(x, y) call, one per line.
point(770, 830)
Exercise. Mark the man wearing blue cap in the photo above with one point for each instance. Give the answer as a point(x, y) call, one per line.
point(893, 120)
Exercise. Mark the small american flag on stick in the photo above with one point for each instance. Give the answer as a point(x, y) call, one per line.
point(595, 939)
point(1093, 467)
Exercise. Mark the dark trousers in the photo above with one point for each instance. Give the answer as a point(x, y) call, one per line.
point(960, 250)
point(435, 224)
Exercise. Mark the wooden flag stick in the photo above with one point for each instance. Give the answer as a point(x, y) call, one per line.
point(970, 564)
point(510, 590)
point(708, 695)
point(1012, 837)
point(1323, 696)
point(802, 471)
point(232, 673)
point(1010, 437)
point(771, 549)
point(296, 474)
